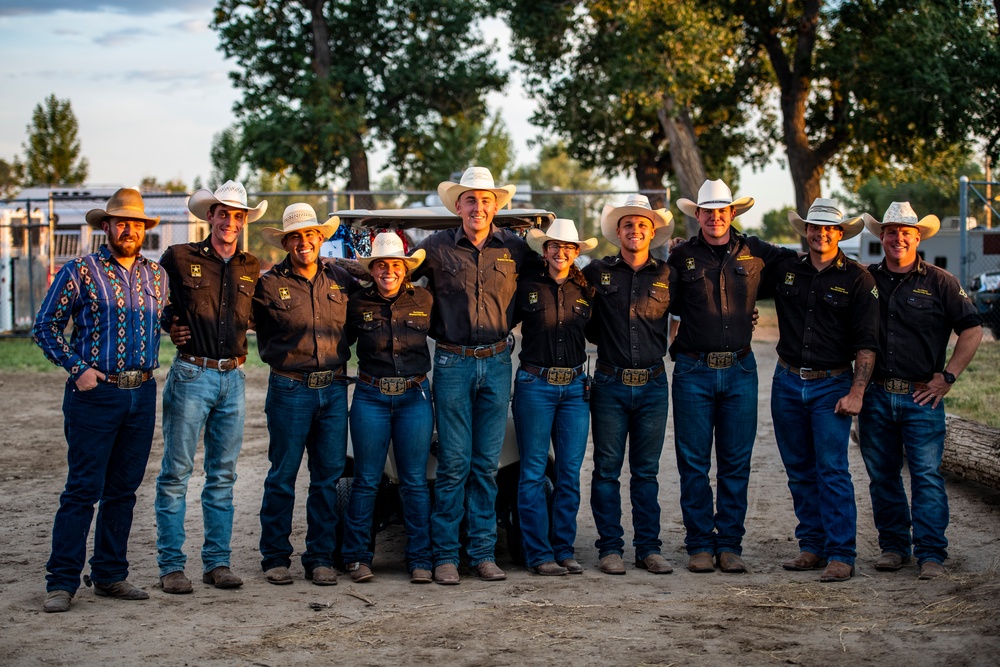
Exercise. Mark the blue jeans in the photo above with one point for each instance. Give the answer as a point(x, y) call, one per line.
point(408, 420)
point(544, 414)
point(638, 414)
point(109, 432)
point(302, 420)
point(889, 426)
point(471, 400)
point(719, 402)
point(813, 443)
point(196, 398)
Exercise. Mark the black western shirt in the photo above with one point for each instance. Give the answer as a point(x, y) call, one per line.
point(299, 322)
point(824, 317)
point(212, 297)
point(391, 333)
point(918, 311)
point(715, 298)
point(473, 289)
point(553, 319)
point(630, 324)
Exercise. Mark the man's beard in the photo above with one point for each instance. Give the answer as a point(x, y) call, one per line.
point(119, 249)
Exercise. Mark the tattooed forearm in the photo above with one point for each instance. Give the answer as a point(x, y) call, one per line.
point(864, 364)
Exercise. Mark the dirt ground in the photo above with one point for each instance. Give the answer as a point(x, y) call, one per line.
point(766, 617)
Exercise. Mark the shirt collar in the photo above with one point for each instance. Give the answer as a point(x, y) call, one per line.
point(104, 252)
point(460, 234)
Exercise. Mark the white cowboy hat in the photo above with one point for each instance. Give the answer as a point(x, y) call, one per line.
point(561, 230)
point(125, 203)
point(715, 194)
point(662, 219)
point(826, 213)
point(901, 213)
point(474, 178)
point(229, 193)
point(296, 218)
point(388, 245)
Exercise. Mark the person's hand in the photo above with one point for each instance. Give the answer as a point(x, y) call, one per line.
point(755, 319)
point(934, 391)
point(850, 405)
point(179, 333)
point(674, 242)
point(89, 379)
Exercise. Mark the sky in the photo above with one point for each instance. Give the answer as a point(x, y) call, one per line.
point(150, 89)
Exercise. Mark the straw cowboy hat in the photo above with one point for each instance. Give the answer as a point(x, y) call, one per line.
point(296, 218)
point(561, 230)
point(826, 213)
point(125, 203)
point(901, 213)
point(229, 193)
point(474, 178)
point(388, 245)
point(715, 194)
point(662, 219)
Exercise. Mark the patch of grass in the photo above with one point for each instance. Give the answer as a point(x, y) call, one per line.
point(21, 354)
point(975, 394)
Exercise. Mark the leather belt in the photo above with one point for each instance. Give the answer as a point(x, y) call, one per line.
point(555, 375)
point(316, 379)
point(719, 359)
point(392, 386)
point(128, 379)
point(214, 364)
point(632, 377)
point(813, 373)
point(477, 351)
point(900, 386)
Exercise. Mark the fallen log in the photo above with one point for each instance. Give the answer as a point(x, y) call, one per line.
point(972, 450)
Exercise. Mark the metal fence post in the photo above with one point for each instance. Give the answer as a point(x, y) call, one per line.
point(963, 227)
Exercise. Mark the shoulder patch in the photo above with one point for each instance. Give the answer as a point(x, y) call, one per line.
point(875, 292)
point(961, 292)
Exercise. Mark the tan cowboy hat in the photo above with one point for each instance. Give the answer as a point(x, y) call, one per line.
point(229, 193)
point(296, 218)
point(561, 230)
point(388, 245)
point(662, 219)
point(125, 203)
point(715, 194)
point(826, 213)
point(901, 213)
point(474, 178)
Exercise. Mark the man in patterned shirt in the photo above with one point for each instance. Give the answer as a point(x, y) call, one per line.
point(114, 298)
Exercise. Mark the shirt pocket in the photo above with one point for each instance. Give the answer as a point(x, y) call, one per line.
point(787, 291)
point(335, 307)
point(243, 302)
point(836, 300)
point(287, 313)
point(452, 278)
point(196, 295)
point(581, 313)
point(415, 332)
point(746, 279)
point(503, 279)
point(694, 286)
point(922, 309)
point(657, 302)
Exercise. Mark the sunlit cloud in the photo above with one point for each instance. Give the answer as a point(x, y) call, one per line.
point(139, 7)
point(122, 37)
point(193, 26)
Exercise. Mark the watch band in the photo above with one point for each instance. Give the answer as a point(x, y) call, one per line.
point(949, 377)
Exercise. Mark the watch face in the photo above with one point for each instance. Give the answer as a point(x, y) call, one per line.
point(948, 377)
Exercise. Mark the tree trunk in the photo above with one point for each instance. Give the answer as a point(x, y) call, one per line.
point(685, 157)
point(358, 163)
point(972, 450)
point(649, 175)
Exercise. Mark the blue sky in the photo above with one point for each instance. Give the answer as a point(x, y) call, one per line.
point(150, 89)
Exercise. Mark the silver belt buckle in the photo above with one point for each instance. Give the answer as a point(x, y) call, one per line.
point(559, 376)
point(394, 386)
point(897, 386)
point(719, 359)
point(319, 379)
point(129, 379)
point(635, 377)
point(806, 374)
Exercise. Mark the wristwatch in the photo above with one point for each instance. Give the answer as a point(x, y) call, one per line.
point(949, 377)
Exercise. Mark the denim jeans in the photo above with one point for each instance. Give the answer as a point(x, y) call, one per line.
point(196, 398)
point(408, 421)
point(109, 432)
point(813, 442)
point(471, 401)
point(891, 425)
point(719, 403)
point(637, 414)
point(302, 420)
point(544, 414)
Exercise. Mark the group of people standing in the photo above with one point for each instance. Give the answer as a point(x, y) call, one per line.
point(852, 341)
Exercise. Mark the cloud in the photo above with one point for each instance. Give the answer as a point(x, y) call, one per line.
point(122, 37)
point(139, 7)
point(66, 32)
point(192, 26)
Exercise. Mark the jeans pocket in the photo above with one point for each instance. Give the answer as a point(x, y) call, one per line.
point(603, 379)
point(524, 377)
point(184, 372)
point(443, 359)
point(748, 363)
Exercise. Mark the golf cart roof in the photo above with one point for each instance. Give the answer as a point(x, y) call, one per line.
point(438, 217)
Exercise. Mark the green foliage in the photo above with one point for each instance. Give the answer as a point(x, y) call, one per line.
point(775, 228)
point(974, 396)
point(53, 148)
point(11, 178)
point(227, 156)
point(149, 185)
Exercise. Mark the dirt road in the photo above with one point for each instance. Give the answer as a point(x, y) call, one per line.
point(766, 617)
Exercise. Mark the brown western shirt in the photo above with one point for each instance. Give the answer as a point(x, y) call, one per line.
point(553, 319)
point(391, 333)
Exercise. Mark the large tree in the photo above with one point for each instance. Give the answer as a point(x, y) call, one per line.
point(324, 80)
point(11, 178)
point(226, 156)
point(52, 152)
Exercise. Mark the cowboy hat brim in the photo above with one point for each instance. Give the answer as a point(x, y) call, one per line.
point(449, 193)
point(412, 262)
point(95, 217)
point(741, 206)
point(201, 201)
point(274, 236)
point(663, 223)
point(852, 226)
point(537, 238)
point(927, 225)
